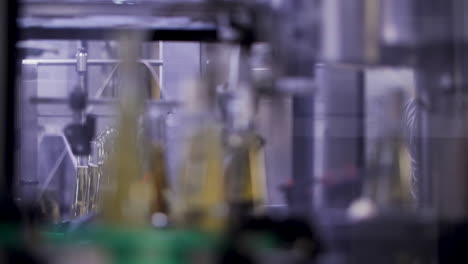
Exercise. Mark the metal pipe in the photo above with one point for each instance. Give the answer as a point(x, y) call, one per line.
point(159, 8)
point(69, 115)
point(90, 62)
point(82, 70)
point(82, 65)
point(94, 101)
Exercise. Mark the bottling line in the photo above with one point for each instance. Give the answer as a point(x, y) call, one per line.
point(233, 131)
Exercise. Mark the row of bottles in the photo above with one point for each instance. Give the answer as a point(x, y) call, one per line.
point(220, 170)
point(220, 175)
point(91, 181)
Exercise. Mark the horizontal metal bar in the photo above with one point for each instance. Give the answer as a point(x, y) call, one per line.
point(203, 14)
point(64, 100)
point(142, 8)
point(208, 34)
point(94, 101)
point(71, 62)
point(70, 115)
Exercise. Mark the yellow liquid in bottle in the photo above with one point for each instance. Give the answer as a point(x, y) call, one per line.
point(80, 205)
point(94, 187)
point(201, 186)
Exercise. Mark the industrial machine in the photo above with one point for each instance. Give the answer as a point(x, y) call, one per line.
point(233, 131)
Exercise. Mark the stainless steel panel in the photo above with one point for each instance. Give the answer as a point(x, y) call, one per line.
point(341, 92)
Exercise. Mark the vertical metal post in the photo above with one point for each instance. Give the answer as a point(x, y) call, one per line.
point(344, 137)
point(28, 125)
point(82, 65)
point(295, 60)
point(82, 71)
point(303, 155)
point(8, 69)
point(442, 112)
point(160, 68)
point(3, 79)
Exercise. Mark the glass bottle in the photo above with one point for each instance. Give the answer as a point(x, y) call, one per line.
point(94, 178)
point(80, 204)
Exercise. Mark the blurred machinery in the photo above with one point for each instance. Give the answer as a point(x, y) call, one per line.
point(215, 131)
